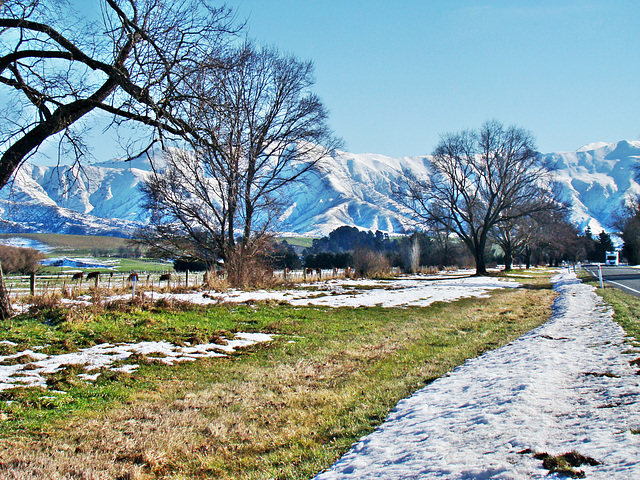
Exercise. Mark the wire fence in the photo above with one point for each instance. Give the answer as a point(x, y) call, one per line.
point(66, 283)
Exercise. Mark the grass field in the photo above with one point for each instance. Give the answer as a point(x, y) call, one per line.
point(303, 242)
point(626, 307)
point(72, 244)
point(284, 409)
point(88, 245)
point(84, 244)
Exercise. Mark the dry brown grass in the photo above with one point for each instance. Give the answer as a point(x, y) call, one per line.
point(286, 411)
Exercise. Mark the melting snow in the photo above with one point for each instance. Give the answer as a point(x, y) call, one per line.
point(77, 262)
point(32, 374)
point(567, 385)
point(23, 242)
point(419, 291)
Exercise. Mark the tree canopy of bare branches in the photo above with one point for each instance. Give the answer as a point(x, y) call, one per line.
point(259, 130)
point(480, 179)
point(134, 66)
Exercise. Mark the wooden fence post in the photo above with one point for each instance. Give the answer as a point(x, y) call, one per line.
point(32, 284)
point(5, 304)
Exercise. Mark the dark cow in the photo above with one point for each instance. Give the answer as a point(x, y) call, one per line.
point(165, 277)
point(95, 276)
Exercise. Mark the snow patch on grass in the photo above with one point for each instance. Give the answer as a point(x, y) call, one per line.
point(29, 368)
point(407, 291)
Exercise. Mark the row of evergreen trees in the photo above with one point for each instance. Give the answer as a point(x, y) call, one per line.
point(597, 247)
point(629, 225)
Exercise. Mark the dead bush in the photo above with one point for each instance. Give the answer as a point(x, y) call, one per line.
point(429, 270)
point(368, 263)
point(44, 301)
point(19, 260)
point(216, 280)
point(247, 268)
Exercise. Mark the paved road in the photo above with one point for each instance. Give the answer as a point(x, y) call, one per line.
point(625, 278)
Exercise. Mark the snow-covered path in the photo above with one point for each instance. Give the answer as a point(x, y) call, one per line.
point(567, 385)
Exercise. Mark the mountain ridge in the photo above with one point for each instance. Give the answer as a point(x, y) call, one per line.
point(346, 189)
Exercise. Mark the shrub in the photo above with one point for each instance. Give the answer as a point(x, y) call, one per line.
point(19, 260)
point(368, 263)
point(246, 267)
point(190, 264)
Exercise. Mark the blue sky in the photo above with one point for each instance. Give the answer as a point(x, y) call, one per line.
point(395, 75)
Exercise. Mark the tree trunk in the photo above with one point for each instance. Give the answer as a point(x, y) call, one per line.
point(5, 305)
point(481, 267)
point(478, 254)
point(508, 258)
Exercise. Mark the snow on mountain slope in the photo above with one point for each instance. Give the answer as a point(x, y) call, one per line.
point(353, 190)
point(72, 200)
point(346, 189)
point(598, 179)
point(38, 218)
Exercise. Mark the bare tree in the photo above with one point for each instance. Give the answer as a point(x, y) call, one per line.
point(513, 237)
point(259, 130)
point(134, 65)
point(480, 179)
point(555, 239)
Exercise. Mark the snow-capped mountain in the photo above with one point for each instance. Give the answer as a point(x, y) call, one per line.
point(346, 189)
point(93, 200)
point(353, 190)
point(598, 180)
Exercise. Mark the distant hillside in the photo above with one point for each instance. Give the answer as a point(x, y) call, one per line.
point(598, 179)
point(347, 189)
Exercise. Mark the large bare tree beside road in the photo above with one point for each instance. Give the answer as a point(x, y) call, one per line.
point(480, 179)
point(259, 130)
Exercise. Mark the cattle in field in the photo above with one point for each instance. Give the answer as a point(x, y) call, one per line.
point(133, 277)
point(165, 277)
point(95, 276)
point(77, 276)
point(309, 271)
